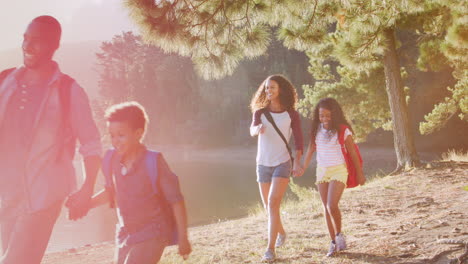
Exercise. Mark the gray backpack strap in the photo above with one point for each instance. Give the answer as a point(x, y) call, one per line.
point(152, 167)
point(151, 161)
point(106, 168)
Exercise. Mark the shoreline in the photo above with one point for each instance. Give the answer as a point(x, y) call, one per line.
point(408, 214)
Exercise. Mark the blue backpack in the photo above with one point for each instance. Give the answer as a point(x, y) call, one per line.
point(152, 169)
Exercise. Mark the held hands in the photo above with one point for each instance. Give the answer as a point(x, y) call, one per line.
point(79, 203)
point(298, 170)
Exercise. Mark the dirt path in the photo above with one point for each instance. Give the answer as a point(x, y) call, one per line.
point(398, 219)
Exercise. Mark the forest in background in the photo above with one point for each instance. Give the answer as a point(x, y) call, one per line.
point(186, 109)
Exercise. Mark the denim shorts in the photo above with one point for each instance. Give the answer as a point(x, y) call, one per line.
point(266, 173)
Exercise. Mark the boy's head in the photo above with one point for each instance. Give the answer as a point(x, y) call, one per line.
point(126, 123)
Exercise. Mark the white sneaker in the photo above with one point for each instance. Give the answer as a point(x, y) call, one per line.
point(280, 240)
point(331, 249)
point(340, 242)
point(269, 256)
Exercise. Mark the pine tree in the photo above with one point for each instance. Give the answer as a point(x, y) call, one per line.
point(352, 45)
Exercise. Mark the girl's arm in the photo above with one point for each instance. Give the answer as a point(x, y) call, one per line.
point(256, 127)
point(100, 198)
point(349, 144)
point(308, 156)
point(298, 170)
point(256, 130)
point(180, 216)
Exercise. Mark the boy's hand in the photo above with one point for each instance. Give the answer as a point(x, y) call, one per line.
point(184, 248)
point(79, 203)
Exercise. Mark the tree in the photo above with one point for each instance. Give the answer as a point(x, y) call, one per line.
point(347, 41)
point(132, 70)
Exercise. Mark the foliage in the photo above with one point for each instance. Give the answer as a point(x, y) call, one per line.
point(132, 70)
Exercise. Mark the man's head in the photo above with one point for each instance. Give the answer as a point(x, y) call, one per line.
point(126, 123)
point(40, 41)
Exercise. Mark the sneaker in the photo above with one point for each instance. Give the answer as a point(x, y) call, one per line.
point(332, 249)
point(280, 240)
point(340, 242)
point(269, 256)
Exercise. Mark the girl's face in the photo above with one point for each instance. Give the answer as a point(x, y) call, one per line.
point(325, 117)
point(272, 90)
point(124, 137)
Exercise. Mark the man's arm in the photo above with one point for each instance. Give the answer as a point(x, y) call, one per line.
point(81, 199)
point(85, 130)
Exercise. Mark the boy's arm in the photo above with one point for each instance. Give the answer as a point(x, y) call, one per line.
point(180, 215)
point(100, 198)
point(170, 188)
point(349, 143)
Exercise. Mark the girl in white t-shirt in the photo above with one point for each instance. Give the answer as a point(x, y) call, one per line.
point(332, 173)
point(275, 96)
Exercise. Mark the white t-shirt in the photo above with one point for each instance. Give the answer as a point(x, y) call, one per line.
point(271, 148)
point(328, 148)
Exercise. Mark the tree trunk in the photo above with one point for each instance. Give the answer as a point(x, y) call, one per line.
point(402, 136)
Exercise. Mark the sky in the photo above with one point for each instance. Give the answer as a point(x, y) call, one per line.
point(82, 20)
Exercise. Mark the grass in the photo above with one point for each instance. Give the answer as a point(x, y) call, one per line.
point(385, 219)
point(454, 155)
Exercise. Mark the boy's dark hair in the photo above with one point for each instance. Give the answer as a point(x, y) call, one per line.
point(337, 116)
point(131, 112)
point(287, 94)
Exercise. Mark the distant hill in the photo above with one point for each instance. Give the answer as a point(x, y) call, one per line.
point(76, 59)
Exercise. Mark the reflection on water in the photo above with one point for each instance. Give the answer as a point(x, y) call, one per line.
point(217, 185)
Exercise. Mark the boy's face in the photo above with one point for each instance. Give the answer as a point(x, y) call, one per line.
point(123, 136)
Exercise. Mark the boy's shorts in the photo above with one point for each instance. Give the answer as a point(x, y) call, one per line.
point(333, 173)
point(266, 173)
point(148, 251)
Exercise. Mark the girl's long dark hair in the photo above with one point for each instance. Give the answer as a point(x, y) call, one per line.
point(337, 117)
point(287, 94)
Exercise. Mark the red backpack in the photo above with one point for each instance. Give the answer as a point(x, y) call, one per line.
point(352, 175)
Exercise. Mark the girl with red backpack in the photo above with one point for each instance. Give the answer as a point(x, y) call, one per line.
point(339, 164)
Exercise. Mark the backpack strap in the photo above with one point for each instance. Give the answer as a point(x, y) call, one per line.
point(64, 91)
point(5, 74)
point(151, 161)
point(341, 135)
point(152, 167)
point(108, 174)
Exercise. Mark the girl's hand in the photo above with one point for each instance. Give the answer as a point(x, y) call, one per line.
point(361, 178)
point(297, 169)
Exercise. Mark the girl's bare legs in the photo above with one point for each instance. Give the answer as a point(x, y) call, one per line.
point(323, 190)
point(330, 194)
point(335, 190)
point(272, 194)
